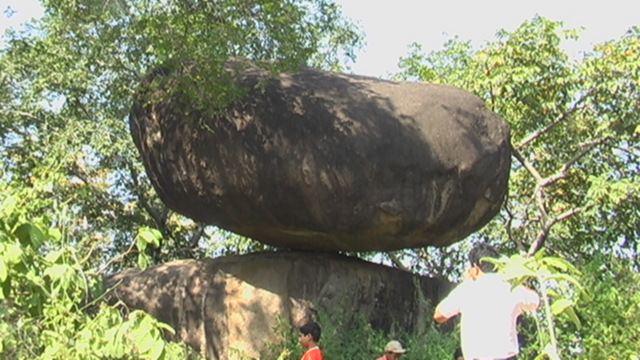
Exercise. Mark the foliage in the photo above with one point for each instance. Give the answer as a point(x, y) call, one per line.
point(610, 317)
point(574, 182)
point(347, 335)
point(559, 289)
point(50, 298)
point(76, 202)
point(67, 84)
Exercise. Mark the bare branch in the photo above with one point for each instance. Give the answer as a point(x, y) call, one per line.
point(526, 164)
point(510, 217)
point(562, 173)
point(538, 243)
point(20, 113)
point(537, 194)
point(551, 125)
point(16, 127)
point(158, 218)
point(130, 250)
point(540, 202)
point(631, 150)
point(396, 261)
point(196, 236)
point(569, 213)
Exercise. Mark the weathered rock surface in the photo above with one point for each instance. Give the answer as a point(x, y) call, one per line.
point(231, 305)
point(326, 161)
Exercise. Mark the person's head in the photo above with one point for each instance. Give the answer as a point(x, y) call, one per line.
point(393, 350)
point(481, 251)
point(457, 355)
point(309, 334)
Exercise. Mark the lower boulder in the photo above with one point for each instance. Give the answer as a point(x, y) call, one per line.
point(233, 305)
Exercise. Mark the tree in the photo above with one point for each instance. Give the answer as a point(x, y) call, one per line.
point(68, 84)
point(81, 204)
point(574, 183)
point(76, 202)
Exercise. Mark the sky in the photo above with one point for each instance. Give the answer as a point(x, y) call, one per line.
point(391, 25)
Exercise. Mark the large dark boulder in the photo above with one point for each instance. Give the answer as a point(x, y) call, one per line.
point(326, 161)
point(233, 305)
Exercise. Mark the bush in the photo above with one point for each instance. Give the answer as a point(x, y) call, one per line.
point(610, 317)
point(357, 340)
point(45, 297)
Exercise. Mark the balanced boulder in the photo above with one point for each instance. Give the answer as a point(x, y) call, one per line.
point(319, 160)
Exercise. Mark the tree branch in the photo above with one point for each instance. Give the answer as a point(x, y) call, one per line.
point(562, 173)
point(159, 217)
point(509, 224)
point(117, 258)
point(538, 243)
point(20, 113)
point(396, 261)
point(551, 125)
point(527, 165)
point(196, 236)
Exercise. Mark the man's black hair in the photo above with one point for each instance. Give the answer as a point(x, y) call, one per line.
point(311, 328)
point(457, 354)
point(481, 251)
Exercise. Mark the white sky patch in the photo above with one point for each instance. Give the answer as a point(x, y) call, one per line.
point(390, 26)
point(14, 13)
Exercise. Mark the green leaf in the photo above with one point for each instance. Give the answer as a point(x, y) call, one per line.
point(157, 350)
point(561, 305)
point(55, 234)
point(53, 256)
point(6, 288)
point(8, 206)
point(57, 271)
point(518, 270)
point(560, 264)
point(149, 236)
point(3, 271)
point(12, 254)
point(166, 327)
point(573, 317)
point(551, 292)
point(143, 261)
point(30, 235)
point(144, 342)
point(564, 277)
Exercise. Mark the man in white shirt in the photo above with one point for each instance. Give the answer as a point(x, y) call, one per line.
point(489, 308)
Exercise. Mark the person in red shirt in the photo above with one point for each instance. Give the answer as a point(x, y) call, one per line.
point(392, 351)
point(309, 338)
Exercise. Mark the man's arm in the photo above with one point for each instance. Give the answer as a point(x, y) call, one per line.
point(450, 305)
point(447, 308)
